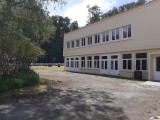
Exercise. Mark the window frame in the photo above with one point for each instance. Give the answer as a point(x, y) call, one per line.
point(77, 43)
point(89, 62)
point(141, 62)
point(83, 42)
point(128, 31)
point(106, 36)
point(83, 62)
point(97, 39)
point(89, 40)
point(72, 44)
point(127, 62)
point(97, 62)
point(114, 34)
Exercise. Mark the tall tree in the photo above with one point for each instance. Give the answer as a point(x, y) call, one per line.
point(74, 25)
point(94, 14)
point(24, 25)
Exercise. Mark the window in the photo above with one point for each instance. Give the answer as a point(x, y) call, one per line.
point(72, 62)
point(157, 63)
point(127, 31)
point(104, 62)
point(83, 62)
point(76, 62)
point(127, 61)
point(83, 41)
point(96, 61)
point(105, 36)
point(89, 62)
point(77, 43)
point(72, 44)
point(141, 61)
point(67, 62)
point(89, 40)
point(97, 39)
point(115, 34)
point(68, 44)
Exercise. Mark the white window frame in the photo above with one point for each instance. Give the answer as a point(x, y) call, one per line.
point(97, 39)
point(141, 59)
point(76, 62)
point(89, 62)
point(83, 65)
point(89, 40)
point(114, 32)
point(97, 62)
point(72, 44)
point(67, 62)
point(127, 61)
point(77, 43)
point(72, 63)
point(83, 42)
point(106, 36)
point(126, 28)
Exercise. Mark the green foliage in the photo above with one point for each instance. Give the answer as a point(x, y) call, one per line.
point(54, 48)
point(123, 8)
point(94, 14)
point(19, 80)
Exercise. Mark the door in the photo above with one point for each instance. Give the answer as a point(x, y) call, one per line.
point(157, 69)
point(76, 64)
point(114, 65)
point(72, 64)
point(104, 65)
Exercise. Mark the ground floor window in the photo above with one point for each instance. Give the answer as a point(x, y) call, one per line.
point(83, 62)
point(72, 62)
point(96, 61)
point(127, 61)
point(76, 62)
point(89, 62)
point(104, 62)
point(67, 62)
point(114, 62)
point(141, 61)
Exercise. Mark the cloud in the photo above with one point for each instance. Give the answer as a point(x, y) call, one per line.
point(79, 12)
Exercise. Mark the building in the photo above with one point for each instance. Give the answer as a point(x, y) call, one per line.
point(118, 45)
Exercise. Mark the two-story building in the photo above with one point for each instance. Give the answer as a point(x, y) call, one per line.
point(118, 45)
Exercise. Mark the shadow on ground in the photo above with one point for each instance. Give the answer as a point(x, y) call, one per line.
point(62, 105)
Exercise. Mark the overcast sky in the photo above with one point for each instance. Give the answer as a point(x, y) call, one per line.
point(77, 9)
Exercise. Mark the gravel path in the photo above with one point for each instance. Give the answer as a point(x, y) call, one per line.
point(73, 96)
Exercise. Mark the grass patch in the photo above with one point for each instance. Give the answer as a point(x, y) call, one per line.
point(44, 68)
point(19, 80)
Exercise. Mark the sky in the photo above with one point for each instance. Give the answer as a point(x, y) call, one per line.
point(77, 10)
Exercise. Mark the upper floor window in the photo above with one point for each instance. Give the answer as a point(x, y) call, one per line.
point(77, 43)
point(127, 31)
point(115, 34)
point(72, 44)
point(68, 44)
point(105, 36)
point(83, 43)
point(127, 61)
point(97, 38)
point(89, 40)
point(141, 61)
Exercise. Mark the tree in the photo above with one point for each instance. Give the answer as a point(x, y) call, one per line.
point(24, 26)
point(74, 25)
point(94, 14)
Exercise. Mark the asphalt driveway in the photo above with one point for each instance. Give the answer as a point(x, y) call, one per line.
point(73, 96)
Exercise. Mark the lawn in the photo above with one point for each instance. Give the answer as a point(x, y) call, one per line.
point(44, 68)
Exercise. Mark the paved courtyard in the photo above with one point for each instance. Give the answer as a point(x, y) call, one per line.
point(73, 96)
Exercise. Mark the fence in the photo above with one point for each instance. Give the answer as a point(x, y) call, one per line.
point(47, 64)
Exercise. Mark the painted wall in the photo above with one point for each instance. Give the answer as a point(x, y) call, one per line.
point(145, 32)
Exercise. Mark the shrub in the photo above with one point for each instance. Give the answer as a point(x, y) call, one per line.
point(21, 79)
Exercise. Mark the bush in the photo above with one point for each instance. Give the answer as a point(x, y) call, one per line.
point(21, 79)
